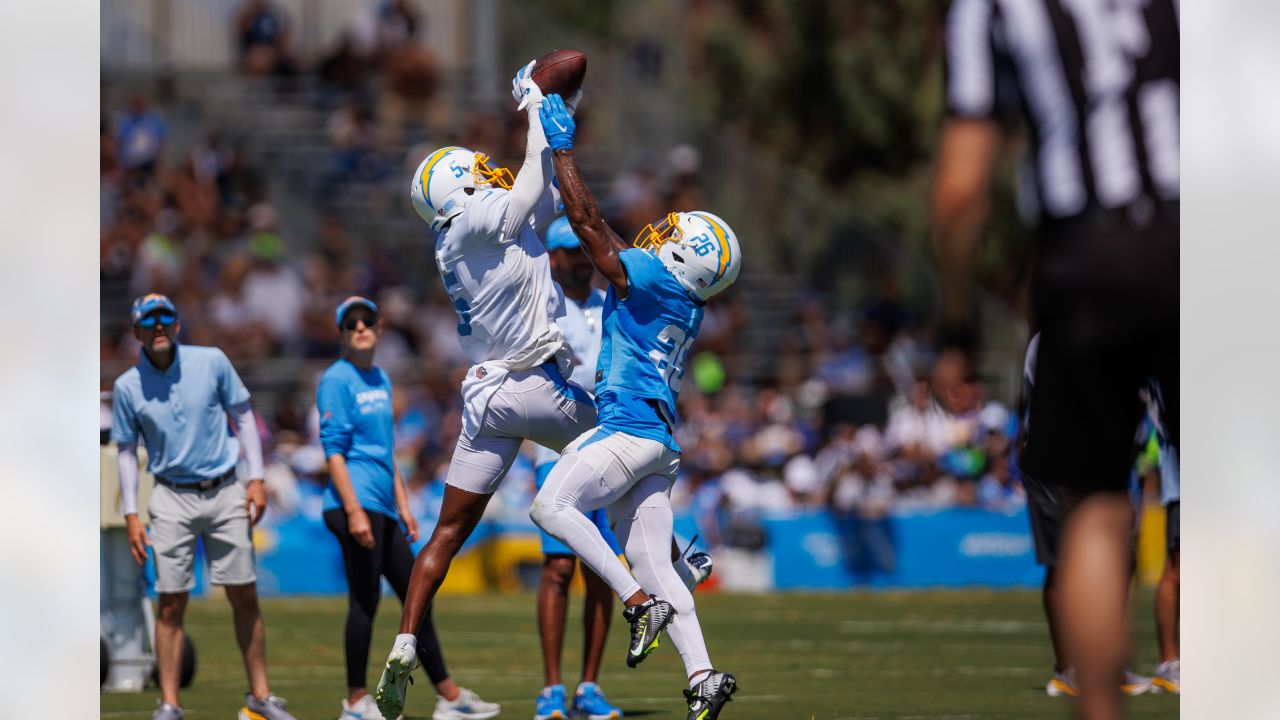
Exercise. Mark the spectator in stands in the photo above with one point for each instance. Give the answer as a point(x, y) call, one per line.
point(999, 490)
point(351, 135)
point(684, 183)
point(343, 72)
point(262, 36)
point(273, 293)
point(390, 36)
point(807, 486)
point(140, 139)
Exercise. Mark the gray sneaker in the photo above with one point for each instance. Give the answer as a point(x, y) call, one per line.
point(167, 712)
point(271, 708)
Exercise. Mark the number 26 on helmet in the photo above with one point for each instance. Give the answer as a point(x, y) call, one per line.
point(700, 250)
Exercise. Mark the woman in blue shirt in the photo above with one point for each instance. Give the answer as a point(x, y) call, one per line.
point(365, 496)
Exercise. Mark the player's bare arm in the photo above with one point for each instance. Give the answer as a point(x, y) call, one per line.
point(580, 206)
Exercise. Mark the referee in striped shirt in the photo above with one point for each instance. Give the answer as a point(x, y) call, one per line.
point(1096, 84)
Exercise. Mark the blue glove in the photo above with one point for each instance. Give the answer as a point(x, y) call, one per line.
point(557, 123)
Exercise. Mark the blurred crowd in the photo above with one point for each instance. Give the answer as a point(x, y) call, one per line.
point(839, 413)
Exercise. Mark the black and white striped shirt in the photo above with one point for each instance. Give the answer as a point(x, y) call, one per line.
point(1096, 80)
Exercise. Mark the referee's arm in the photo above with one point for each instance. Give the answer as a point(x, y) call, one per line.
point(960, 205)
point(978, 98)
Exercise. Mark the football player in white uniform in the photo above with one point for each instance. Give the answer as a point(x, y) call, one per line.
point(496, 271)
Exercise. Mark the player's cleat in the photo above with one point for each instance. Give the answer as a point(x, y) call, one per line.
point(700, 564)
point(394, 683)
point(1135, 684)
point(589, 702)
point(269, 708)
point(363, 709)
point(710, 695)
point(1168, 677)
point(1062, 684)
point(167, 712)
point(550, 704)
point(467, 706)
point(648, 620)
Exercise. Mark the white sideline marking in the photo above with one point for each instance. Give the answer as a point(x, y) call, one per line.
point(1007, 627)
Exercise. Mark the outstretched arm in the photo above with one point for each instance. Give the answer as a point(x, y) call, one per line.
point(602, 243)
point(530, 187)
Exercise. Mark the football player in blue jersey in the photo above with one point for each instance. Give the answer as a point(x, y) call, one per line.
point(628, 462)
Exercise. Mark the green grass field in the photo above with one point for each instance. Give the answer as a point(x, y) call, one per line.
point(965, 654)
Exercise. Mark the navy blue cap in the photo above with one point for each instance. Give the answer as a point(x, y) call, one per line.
point(148, 304)
point(351, 302)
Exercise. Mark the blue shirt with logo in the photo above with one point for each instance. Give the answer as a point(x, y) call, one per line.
point(642, 353)
point(356, 423)
point(180, 413)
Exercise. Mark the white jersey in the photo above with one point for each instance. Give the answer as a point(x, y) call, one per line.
point(499, 279)
point(498, 276)
point(583, 325)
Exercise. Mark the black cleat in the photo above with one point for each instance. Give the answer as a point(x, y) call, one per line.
point(711, 694)
point(647, 623)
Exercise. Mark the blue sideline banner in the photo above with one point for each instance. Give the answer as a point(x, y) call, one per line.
point(810, 550)
point(946, 548)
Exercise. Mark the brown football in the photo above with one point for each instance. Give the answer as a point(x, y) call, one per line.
point(560, 71)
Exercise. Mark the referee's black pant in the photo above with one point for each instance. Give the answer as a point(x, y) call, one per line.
point(390, 557)
point(1106, 302)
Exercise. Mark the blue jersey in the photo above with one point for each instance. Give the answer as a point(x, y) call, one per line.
point(646, 338)
point(181, 413)
point(356, 423)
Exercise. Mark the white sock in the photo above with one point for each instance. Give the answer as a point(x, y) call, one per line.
point(407, 639)
point(698, 677)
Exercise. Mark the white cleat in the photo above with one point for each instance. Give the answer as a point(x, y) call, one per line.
point(1168, 677)
point(394, 683)
point(1135, 684)
point(1062, 684)
point(363, 709)
point(468, 706)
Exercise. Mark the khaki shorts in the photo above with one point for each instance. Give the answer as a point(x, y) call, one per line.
point(178, 517)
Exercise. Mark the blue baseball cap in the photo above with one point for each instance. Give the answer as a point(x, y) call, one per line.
point(351, 302)
point(560, 235)
point(148, 304)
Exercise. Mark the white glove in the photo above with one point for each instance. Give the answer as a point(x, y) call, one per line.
point(524, 89)
point(571, 103)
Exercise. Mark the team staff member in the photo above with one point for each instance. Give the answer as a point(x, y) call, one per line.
point(177, 399)
point(1098, 85)
point(582, 323)
point(362, 502)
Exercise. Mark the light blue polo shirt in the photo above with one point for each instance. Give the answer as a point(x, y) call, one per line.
point(356, 423)
point(181, 413)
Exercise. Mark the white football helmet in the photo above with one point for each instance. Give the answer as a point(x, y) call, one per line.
point(446, 180)
point(699, 248)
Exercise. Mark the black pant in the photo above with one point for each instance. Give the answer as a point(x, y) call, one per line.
point(1106, 296)
point(391, 557)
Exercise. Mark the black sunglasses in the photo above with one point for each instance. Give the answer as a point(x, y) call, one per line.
point(351, 323)
point(162, 318)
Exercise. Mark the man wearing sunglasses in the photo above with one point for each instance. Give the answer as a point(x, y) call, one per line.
point(178, 401)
